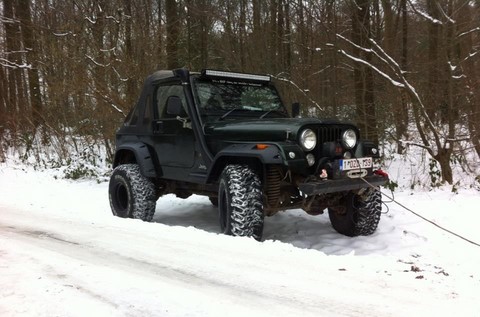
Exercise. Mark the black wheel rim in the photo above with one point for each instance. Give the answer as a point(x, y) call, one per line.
point(121, 198)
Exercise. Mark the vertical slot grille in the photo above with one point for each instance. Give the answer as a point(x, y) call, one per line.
point(329, 134)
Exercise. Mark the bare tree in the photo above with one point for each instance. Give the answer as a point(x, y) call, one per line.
point(12, 61)
point(363, 76)
point(80, 64)
point(27, 28)
point(467, 70)
point(173, 33)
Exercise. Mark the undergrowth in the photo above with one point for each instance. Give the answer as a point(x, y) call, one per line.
point(416, 169)
point(70, 157)
point(84, 157)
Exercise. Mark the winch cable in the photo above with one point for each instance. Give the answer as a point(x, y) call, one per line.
point(422, 217)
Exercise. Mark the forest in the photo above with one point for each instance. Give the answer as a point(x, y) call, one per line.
point(407, 72)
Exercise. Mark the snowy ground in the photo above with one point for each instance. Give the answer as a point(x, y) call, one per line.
point(63, 254)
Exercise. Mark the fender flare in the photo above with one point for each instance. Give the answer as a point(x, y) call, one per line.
point(142, 157)
point(242, 153)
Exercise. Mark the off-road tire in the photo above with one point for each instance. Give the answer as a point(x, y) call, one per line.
point(131, 194)
point(361, 214)
point(240, 202)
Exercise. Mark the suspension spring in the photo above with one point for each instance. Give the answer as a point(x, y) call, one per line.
point(273, 191)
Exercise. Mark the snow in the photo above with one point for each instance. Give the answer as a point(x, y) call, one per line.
point(62, 253)
point(477, 29)
point(95, 62)
point(6, 63)
point(390, 61)
point(428, 17)
point(63, 34)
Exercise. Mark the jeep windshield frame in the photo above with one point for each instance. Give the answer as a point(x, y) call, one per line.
point(221, 98)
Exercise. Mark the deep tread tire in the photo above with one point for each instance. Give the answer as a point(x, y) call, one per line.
point(362, 214)
point(131, 194)
point(240, 202)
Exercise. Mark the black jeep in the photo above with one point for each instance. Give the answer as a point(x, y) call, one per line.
point(228, 136)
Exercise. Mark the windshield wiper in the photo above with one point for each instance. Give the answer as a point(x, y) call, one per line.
point(227, 113)
point(270, 111)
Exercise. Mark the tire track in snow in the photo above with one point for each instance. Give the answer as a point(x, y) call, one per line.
point(83, 252)
point(202, 271)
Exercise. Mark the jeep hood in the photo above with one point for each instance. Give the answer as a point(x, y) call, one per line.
point(262, 129)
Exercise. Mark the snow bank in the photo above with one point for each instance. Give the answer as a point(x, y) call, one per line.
point(63, 253)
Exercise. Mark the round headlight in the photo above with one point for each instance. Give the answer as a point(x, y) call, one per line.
point(349, 138)
point(308, 140)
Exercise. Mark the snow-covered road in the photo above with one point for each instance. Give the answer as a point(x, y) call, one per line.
point(63, 254)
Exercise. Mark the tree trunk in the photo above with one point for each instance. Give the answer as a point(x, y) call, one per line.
point(401, 115)
point(12, 45)
point(256, 16)
point(129, 54)
point(242, 34)
point(280, 37)
point(389, 41)
point(204, 31)
point(160, 33)
point(432, 95)
point(25, 16)
point(472, 82)
point(257, 46)
point(173, 33)
point(287, 44)
point(332, 57)
point(190, 20)
point(273, 54)
point(363, 75)
point(231, 45)
point(443, 158)
point(3, 102)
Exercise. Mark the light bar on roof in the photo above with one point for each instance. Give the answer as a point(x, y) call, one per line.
point(219, 73)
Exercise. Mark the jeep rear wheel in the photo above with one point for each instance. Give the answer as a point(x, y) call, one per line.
point(360, 214)
point(240, 202)
point(131, 194)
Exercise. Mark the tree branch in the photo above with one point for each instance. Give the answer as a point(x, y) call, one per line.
point(299, 89)
point(424, 15)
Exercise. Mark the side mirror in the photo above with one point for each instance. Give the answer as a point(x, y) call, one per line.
point(295, 110)
point(175, 107)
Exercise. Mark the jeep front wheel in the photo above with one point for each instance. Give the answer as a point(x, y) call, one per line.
point(240, 202)
point(359, 215)
point(131, 194)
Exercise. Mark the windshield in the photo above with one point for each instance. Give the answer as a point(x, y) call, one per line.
point(217, 97)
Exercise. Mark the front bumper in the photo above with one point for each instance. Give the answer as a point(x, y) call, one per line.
point(340, 185)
